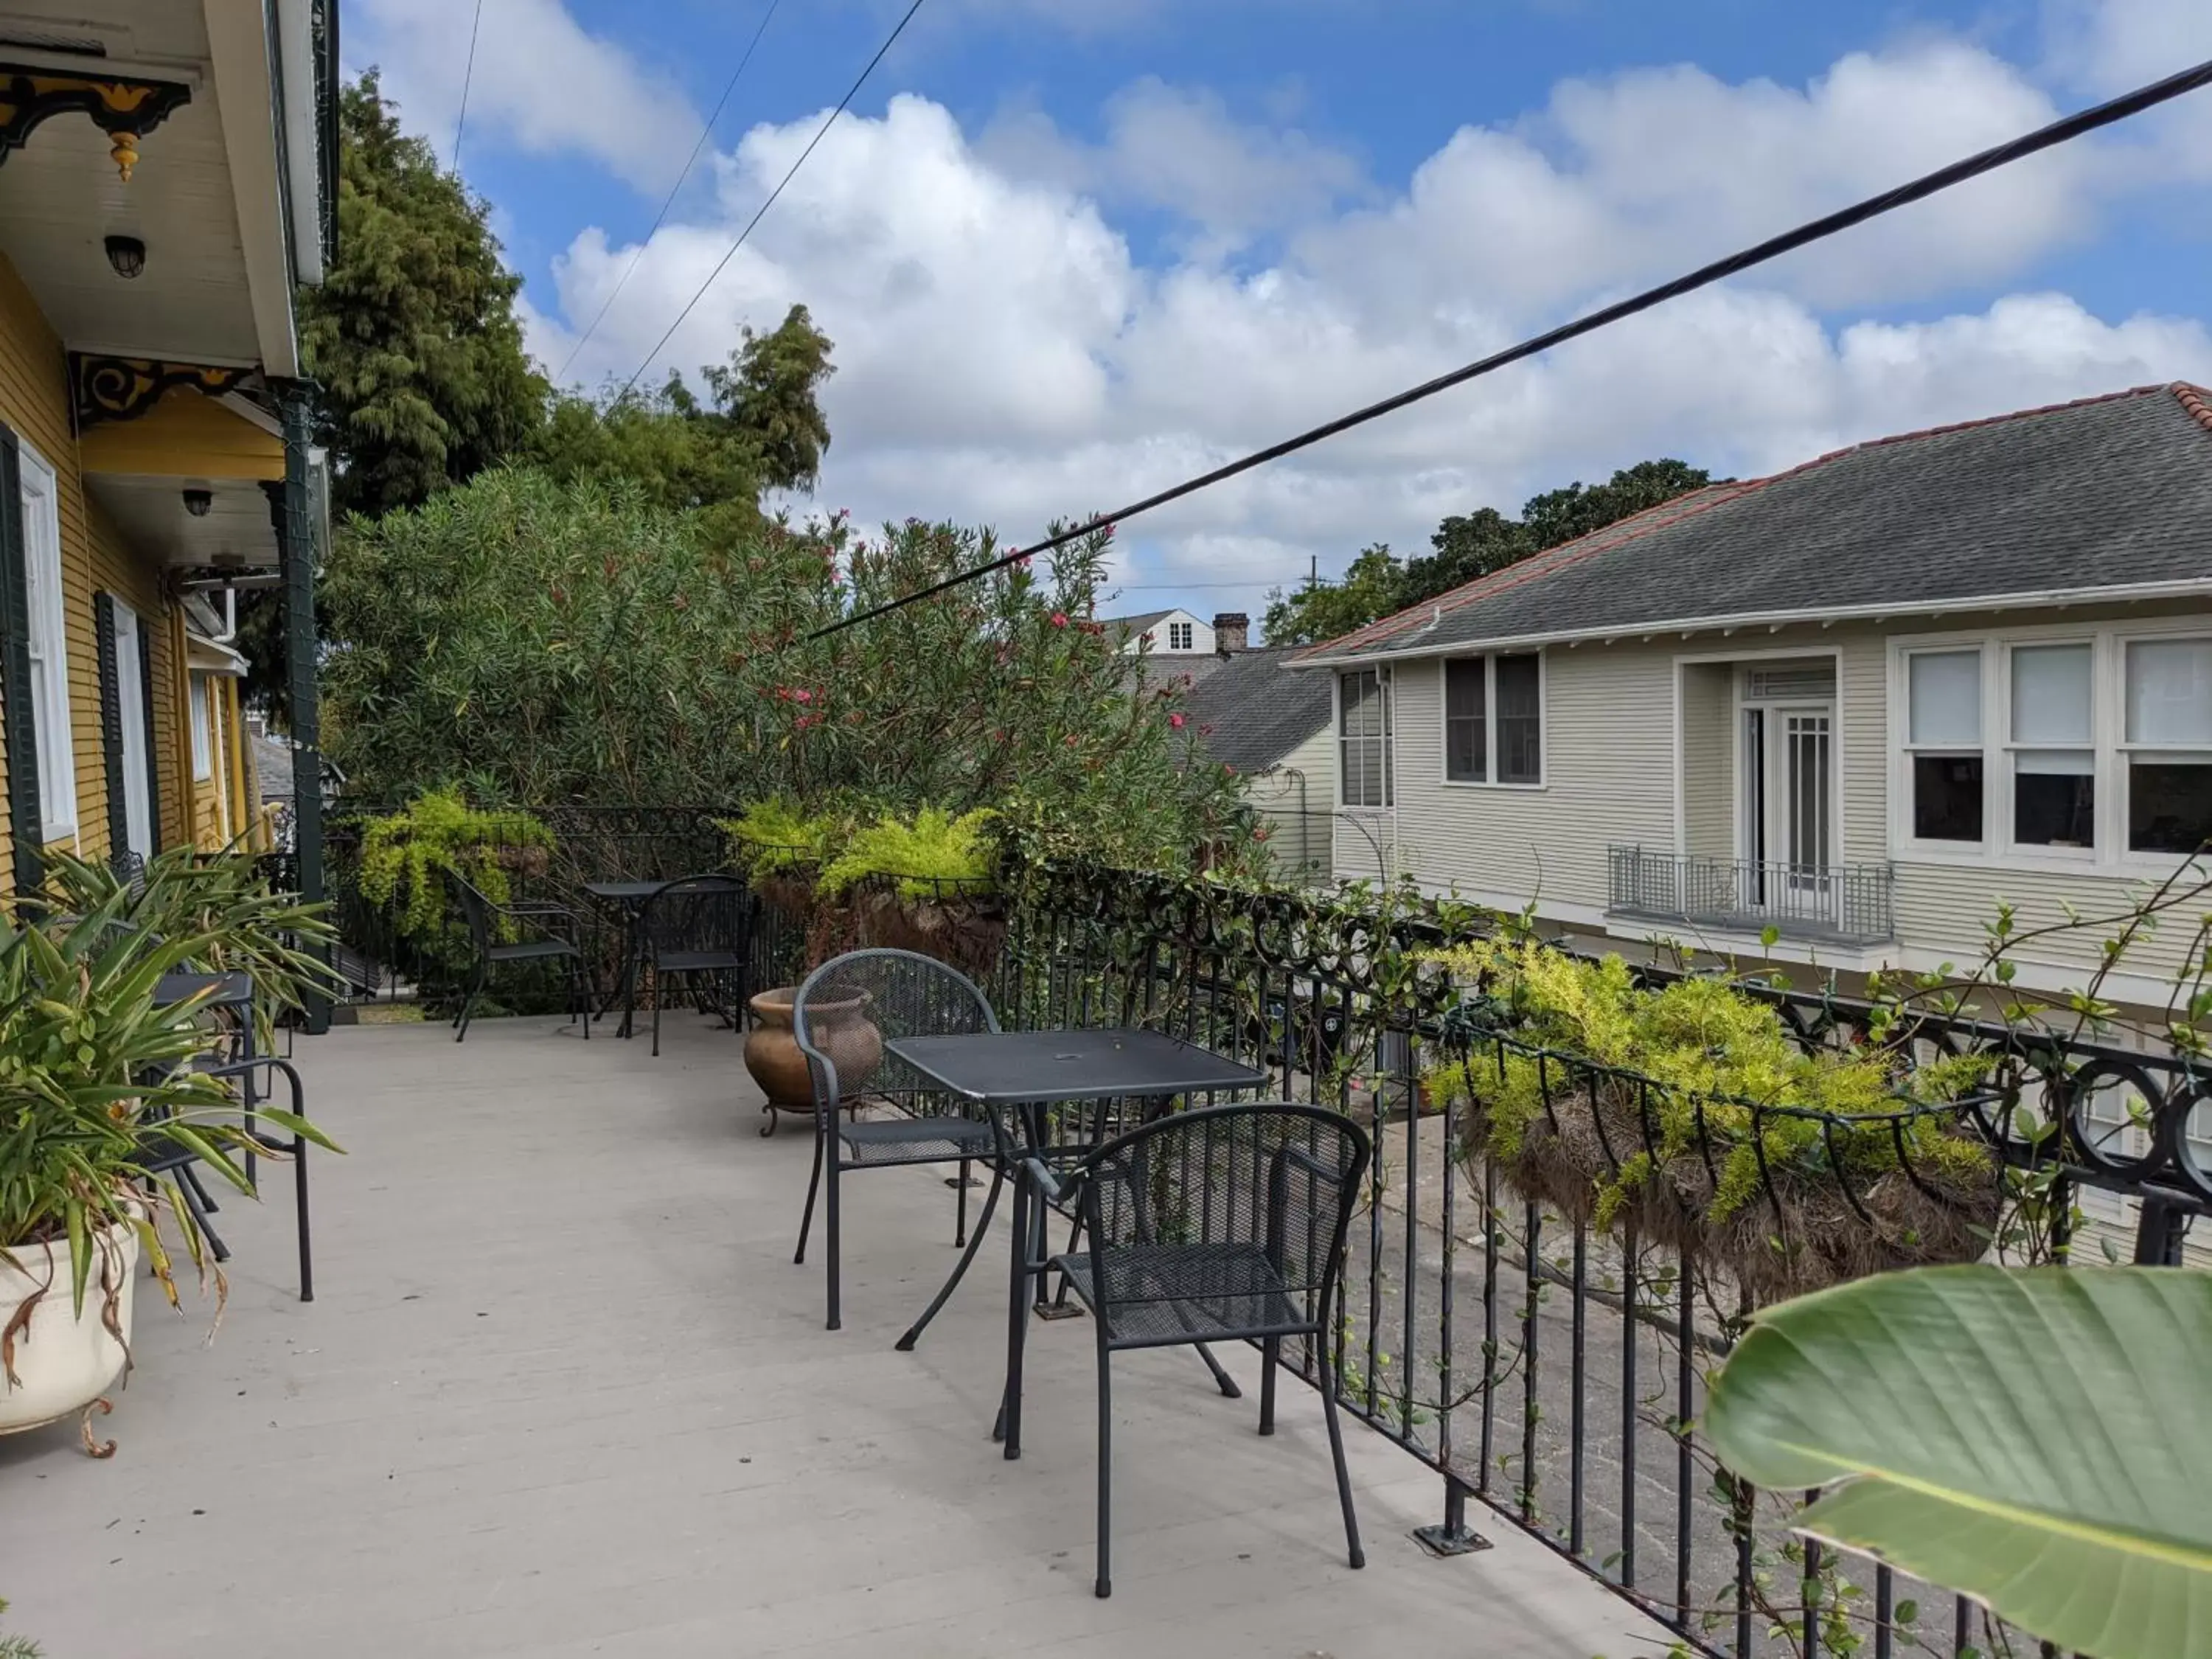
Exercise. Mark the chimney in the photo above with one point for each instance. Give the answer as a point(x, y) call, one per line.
point(1232, 632)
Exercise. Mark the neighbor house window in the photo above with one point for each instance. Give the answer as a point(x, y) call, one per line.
point(1363, 738)
point(202, 732)
point(1493, 719)
point(49, 649)
point(1178, 636)
point(1943, 740)
point(2052, 742)
point(2168, 736)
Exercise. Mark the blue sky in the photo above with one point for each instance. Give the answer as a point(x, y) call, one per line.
point(1070, 251)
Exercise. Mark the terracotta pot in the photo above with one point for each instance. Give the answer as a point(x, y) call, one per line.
point(839, 1030)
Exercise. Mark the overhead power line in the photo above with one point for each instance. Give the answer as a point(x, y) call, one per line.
point(852, 92)
point(461, 121)
point(1972, 166)
point(661, 217)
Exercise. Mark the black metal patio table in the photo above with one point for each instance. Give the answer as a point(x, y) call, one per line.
point(1022, 1073)
point(628, 900)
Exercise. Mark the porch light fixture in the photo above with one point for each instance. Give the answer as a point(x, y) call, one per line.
point(197, 501)
point(127, 255)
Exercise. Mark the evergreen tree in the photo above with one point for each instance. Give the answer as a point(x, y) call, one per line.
point(412, 336)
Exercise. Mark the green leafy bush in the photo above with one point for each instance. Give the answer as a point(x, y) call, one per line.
point(933, 854)
point(16, 1647)
point(406, 855)
point(88, 1060)
point(1702, 1091)
point(774, 837)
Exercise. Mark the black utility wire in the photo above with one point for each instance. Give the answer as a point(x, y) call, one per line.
point(461, 121)
point(1989, 161)
point(661, 217)
point(853, 92)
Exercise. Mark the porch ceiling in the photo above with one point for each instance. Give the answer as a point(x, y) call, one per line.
point(149, 510)
point(61, 196)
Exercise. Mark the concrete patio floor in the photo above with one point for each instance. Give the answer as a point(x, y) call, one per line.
point(562, 1393)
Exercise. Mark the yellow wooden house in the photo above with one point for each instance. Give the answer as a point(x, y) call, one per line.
point(167, 186)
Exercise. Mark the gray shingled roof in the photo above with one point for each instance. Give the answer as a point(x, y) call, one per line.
point(2110, 492)
point(1259, 710)
point(1138, 623)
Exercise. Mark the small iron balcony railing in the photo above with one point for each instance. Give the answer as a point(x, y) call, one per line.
point(1845, 903)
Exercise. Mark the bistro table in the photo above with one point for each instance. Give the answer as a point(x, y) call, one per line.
point(628, 899)
point(1026, 1072)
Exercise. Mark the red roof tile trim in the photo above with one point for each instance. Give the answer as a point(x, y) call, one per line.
point(2193, 398)
point(2197, 401)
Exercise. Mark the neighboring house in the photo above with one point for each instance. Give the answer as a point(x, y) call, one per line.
point(1176, 642)
point(1273, 725)
point(166, 179)
point(1862, 703)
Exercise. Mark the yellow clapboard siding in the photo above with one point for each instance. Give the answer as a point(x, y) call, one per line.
point(34, 403)
point(185, 436)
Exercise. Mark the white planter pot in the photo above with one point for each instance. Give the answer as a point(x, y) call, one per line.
point(64, 1360)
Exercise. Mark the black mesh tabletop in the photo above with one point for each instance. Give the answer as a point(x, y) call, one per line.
point(1002, 1068)
point(623, 892)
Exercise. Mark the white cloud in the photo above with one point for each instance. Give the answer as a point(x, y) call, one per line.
point(539, 82)
point(1005, 356)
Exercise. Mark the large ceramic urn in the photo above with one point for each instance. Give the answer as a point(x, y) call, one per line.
point(840, 1030)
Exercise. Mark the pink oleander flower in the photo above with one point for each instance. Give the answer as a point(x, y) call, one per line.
point(1176, 722)
point(1059, 619)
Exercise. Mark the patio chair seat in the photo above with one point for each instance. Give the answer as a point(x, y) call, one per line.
point(916, 1139)
point(1178, 1293)
point(535, 950)
point(697, 962)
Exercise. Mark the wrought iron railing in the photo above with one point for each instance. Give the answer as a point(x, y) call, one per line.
point(1848, 903)
point(1548, 1364)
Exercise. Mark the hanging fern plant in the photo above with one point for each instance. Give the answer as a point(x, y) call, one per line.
point(406, 855)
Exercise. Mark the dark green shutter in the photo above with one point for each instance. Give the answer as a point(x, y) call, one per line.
point(153, 747)
point(111, 727)
point(17, 720)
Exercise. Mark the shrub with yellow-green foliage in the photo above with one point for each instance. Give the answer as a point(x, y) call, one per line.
point(774, 837)
point(931, 855)
point(1689, 1108)
point(406, 855)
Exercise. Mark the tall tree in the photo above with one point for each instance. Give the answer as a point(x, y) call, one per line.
point(760, 426)
point(1560, 515)
point(1468, 545)
point(412, 336)
point(1370, 590)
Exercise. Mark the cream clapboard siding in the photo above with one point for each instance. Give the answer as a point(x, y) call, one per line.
point(1608, 778)
point(1610, 762)
point(1708, 815)
point(1294, 798)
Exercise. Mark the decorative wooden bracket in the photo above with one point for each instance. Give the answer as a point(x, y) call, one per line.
point(123, 107)
point(124, 388)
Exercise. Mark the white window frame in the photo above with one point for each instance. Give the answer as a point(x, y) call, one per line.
point(1904, 749)
point(1179, 636)
point(1489, 779)
point(2108, 670)
point(1389, 739)
point(202, 714)
point(131, 644)
point(48, 630)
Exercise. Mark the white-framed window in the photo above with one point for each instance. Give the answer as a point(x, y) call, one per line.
point(1494, 719)
point(202, 731)
point(1947, 788)
point(49, 645)
point(2055, 746)
point(1363, 724)
point(2166, 742)
point(1178, 636)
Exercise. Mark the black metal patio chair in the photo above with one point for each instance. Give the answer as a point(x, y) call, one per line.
point(1214, 1225)
point(693, 932)
point(162, 1154)
point(842, 1014)
point(489, 926)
